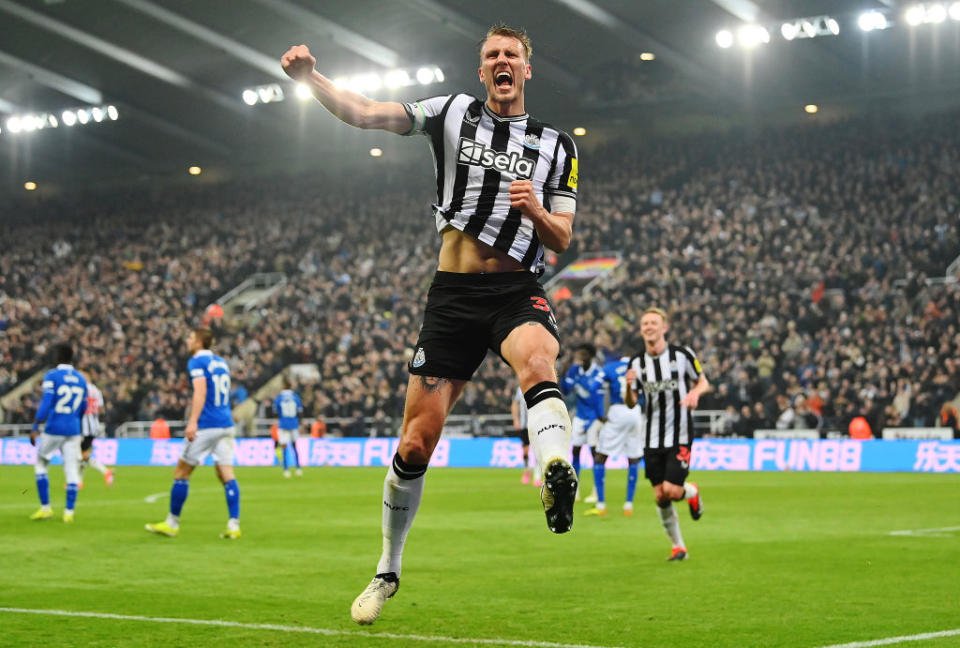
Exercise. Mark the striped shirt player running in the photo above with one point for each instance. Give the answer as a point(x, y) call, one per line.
point(91, 430)
point(63, 404)
point(671, 381)
point(506, 187)
point(210, 430)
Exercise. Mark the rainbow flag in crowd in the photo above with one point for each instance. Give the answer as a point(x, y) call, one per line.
point(589, 268)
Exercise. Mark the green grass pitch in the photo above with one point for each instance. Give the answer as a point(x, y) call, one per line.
point(779, 559)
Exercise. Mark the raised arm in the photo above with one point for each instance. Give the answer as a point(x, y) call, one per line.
point(349, 107)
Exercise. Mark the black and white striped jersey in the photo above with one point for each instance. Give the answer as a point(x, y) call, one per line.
point(477, 154)
point(665, 379)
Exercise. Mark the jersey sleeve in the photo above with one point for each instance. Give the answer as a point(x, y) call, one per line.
point(694, 370)
point(564, 172)
point(296, 397)
point(276, 404)
point(637, 384)
point(196, 369)
point(424, 114)
point(47, 401)
point(568, 381)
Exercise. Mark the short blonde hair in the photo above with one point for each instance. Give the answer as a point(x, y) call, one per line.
point(657, 311)
point(500, 29)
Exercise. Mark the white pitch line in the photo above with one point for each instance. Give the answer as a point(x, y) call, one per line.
point(896, 640)
point(303, 629)
point(151, 499)
point(926, 533)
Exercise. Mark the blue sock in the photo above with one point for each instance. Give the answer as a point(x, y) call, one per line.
point(576, 462)
point(71, 496)
point(296, 455)
point(43, 489)
point(599, 473)
point(286, 458)
point(233, 498)
point(633, 470)
point(178, 495)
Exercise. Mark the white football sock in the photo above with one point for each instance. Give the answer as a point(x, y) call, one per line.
point(668, 517)
point(173, 521)
point(549, 427)
point(96, 465)
point(233, 524)
point(689, 491)
point(401, 499)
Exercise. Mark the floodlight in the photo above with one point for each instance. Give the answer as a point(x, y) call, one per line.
point(955, 11)
point(579, 131)
point(724, 38)
point(249, 97)
point(194, 170)
point(112, 113)
point(265, 93)
point(915, 15)
point(425, 76)
point(752, 35)
point(30, 186)
point(376, 152)
point(69, 118)
point(789, 31)
point(438, 73)
point(28, 123)
point(811, 108)
point(97, 114)
point(936, 13)
point(303, 92)
point(833, 26)
point(647, 56)
point(13, 124)
point(52, 121)
point(83, 116)
point(396, 78)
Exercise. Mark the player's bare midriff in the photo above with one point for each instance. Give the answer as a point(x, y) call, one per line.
point(462, 253)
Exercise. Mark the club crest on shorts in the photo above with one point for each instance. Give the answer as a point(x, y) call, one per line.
point(419, 358)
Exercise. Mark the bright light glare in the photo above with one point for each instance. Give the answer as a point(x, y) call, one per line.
point(870, 20)
point(647, 56)
point(789, 31)
point(438, 73)
point(425, 76)
point(811, 108)
point(724, 38)
point(376, 152)
point(97, 115)
point(52, 121)
point(28, 123)
point(833, 26)
point(915, 15)
point(249, 97)
point(936, 13)
point(579, 131)
point(13, 124)
point(194, 170)
point(752, 35)
point(265, 93)
point(396, 79)
point(83, 116)
point(112, 113)
point(30, 186)
point(303, 92)
point(69, 117)
point(955, 11)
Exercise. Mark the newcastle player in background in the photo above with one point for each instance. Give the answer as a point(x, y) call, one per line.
point(506, 187)
point(671, 381)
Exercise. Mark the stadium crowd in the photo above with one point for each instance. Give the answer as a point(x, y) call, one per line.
point(794, 261)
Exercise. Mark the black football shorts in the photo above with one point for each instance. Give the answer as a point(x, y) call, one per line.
point(469, 313)
point(667, 464)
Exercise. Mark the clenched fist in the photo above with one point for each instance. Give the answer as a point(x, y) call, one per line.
point(524, 197)
point(298, 63)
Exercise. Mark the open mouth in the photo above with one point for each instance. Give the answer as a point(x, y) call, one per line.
point(503, 81)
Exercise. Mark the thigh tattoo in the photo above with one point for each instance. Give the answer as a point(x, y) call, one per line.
point(432, 383)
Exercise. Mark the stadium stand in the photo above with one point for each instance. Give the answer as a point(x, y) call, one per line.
point(806, 263)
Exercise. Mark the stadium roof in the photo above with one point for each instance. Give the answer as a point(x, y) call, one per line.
point(176, 71)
